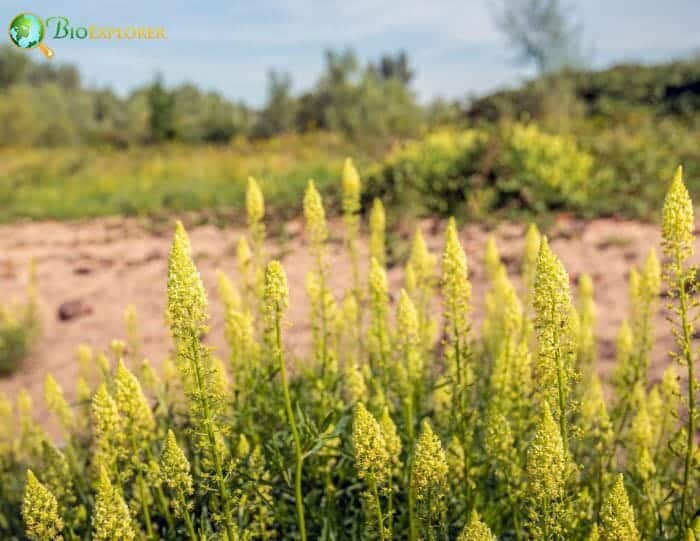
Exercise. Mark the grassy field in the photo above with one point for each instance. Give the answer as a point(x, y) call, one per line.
point(73, 183)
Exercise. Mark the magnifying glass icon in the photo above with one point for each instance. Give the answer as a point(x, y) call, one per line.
point(27, 32)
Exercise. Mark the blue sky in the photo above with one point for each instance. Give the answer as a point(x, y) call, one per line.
point(454, 45)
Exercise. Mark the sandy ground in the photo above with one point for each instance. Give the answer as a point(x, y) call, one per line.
point(109, 264)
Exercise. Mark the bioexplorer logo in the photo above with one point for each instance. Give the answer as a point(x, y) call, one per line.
point(28, 31)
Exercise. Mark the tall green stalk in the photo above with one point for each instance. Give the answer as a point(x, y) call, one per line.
point(276, 300)
point(678, 246)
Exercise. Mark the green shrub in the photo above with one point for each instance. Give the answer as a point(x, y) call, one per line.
point(434, 174)
point(540, 170)
point(18, 332)
point(517, 166)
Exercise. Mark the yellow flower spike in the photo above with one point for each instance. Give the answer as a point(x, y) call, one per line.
point(254, 203)
point(421, 268)
point(594, 534)
point(118, 348)
point(678, 220)
point(456, 295)
point(372, 458)
point(30, 432)
point(6, 424)
point(83, 392)
point(498, 441)
point(315, 215)
point(187, 301)
point(641, 437)
point(56, 403)
point(530, 252)
point(85, 357)
point(346, 328)
point(587, 321)
point(429, 472)
point(351, 204)
point(276, 300)
point(131, 320)
point(476, 530)
point(546, 460)
point(354, 382)
point(227, 291)
point(352, 188)
point(651, 274)
point(373, 464)
point(276, 289)
point(107, 427)
point(408, 339)
point(677, 244)
point(379, 309)
point(391, 437)
point(133, 407)
point(554, 328)
point(635, 286)
point(624, 344)
point(111, 518)
point(377, 231)
point(243, 255)
point(57, 475)
point(40, 511)
point(456, 288)
point(492, 258)
point(175, 468)
point(617, 515)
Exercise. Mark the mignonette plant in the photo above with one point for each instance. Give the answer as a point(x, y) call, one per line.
point(403, 422)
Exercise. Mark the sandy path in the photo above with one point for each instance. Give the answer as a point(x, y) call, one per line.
point(109, 264)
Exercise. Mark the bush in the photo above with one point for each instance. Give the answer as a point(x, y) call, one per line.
point(19, 326)
point(517, 166)
point(542, 171)
point(434, 174)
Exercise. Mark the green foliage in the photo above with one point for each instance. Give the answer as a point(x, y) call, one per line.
point(19, 328)
point(613, 93)
point(473, 171)
point(89, 182)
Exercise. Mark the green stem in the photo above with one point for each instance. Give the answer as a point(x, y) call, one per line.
point(292, 425)
point(162, 502)
point(144, 507)
point(208, 425)
point(690, 445)
point(412, 534)
point(378, 509)
point(186, 515)
point(561, 390)
point(322, 313)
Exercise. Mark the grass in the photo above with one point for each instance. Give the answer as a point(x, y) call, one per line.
point(74, 183)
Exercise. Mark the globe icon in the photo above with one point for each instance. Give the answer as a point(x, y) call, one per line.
point(27, 32)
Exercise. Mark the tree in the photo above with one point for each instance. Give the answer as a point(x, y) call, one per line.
point(279, 112)
point(543, 32)
point(161, 112)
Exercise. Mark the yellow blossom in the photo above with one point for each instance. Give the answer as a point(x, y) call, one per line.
point(56, 403)
point(372, 458)
point(617, 515)
point(352, 188)
point(254, 203)
point(40, 511)
point(377, 231)
point(111, 519)
point(476, 530)
point(315, 215)
point(678, 221)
